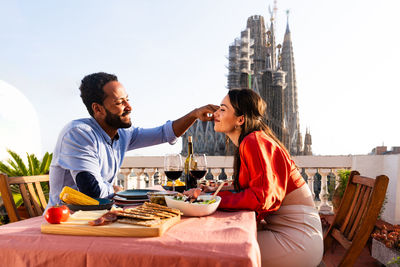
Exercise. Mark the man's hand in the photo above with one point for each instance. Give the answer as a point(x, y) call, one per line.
point(206, 113)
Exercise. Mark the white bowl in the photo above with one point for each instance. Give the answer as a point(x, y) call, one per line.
point(194, 209)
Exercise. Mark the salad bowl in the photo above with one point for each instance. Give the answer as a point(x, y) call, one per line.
point(202, 207)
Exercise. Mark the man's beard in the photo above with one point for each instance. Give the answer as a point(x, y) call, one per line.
point(115, 120)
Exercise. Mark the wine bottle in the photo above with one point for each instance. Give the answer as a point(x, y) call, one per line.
point(190, 181)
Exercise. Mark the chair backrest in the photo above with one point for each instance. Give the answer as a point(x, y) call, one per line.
point(357, 215)
point(31, 192)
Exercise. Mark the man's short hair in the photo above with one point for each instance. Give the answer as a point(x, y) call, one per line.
point(92, 88)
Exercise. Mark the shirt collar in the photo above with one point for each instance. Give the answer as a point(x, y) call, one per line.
point(116, 137)
point(106, 137)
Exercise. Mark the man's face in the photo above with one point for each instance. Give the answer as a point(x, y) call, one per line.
point(116, 105)
point(116, 121)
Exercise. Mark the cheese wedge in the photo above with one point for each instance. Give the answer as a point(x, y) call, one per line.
point(86, 215)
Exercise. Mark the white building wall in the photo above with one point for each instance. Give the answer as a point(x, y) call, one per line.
point(366, 165)
point(374, 165)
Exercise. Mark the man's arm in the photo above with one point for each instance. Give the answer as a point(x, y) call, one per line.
point(79, 153)
point(181, 125)
point(87, 184)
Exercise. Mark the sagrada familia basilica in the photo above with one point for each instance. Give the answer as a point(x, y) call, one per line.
point(257, 62)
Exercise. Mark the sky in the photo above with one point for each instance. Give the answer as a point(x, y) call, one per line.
point(171, 58)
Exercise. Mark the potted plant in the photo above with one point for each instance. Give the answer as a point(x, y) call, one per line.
point(386, 245)
point(16, 167)
point(339, 191)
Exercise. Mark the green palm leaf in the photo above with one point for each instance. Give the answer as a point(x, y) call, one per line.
point(47, 168)
point(7, 170)
point(45, 164)
point(14, 188)
point(33, 164)
point(31, 170)
point(17, 170)
point(36, 164)
point(21, 165)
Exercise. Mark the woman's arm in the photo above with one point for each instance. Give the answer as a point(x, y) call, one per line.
point(263, 173)
point(207, 188)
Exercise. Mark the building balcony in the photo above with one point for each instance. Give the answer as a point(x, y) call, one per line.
point(320, 172)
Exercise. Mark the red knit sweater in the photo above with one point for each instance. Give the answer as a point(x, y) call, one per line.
point(267, 175)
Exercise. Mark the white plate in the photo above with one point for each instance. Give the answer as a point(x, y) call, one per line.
point(194, 209)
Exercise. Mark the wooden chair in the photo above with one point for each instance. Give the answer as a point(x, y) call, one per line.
point(31, 192)
point(357, 215)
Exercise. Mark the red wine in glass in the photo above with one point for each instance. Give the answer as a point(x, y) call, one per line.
point(173, 175)
point(198, 174)
point(173, 167)
point(197, 168)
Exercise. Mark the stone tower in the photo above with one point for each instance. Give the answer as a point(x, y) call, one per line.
point(307, 144)
point(256, 27)
point(291, 107)
point(258, 63)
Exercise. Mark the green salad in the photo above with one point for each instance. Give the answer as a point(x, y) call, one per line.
point(198, 201)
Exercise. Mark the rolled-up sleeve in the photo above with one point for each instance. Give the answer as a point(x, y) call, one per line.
point(143, 137)
point(79, 153)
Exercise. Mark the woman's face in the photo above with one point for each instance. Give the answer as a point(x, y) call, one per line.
point(224, 118)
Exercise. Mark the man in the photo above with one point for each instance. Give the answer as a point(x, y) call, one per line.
point(89, 152)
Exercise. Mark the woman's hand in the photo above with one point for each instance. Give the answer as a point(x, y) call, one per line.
point(194, 192)
point(207, 188)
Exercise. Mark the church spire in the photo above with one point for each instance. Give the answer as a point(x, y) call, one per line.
point(287, 22)
point(271, 36)
point(287, 64)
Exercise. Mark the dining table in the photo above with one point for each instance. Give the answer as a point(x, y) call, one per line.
point(220, 239)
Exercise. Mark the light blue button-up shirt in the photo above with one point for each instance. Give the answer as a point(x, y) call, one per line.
point(84, 146)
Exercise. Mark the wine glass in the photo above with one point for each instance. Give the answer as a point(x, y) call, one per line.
point(173, 167)
point(197, 167)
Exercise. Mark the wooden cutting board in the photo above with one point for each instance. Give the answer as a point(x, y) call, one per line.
point(113, 229)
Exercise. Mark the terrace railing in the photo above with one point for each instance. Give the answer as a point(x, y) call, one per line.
point(320, 172)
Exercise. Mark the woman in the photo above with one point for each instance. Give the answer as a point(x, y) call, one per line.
point(267, 181)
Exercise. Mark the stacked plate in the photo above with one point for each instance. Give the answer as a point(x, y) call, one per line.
point(104, 204)
point(132, 197)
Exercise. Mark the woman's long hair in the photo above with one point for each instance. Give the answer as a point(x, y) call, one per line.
point(248, 103)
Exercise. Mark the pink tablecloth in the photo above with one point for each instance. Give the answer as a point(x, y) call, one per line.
point(222, 239)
